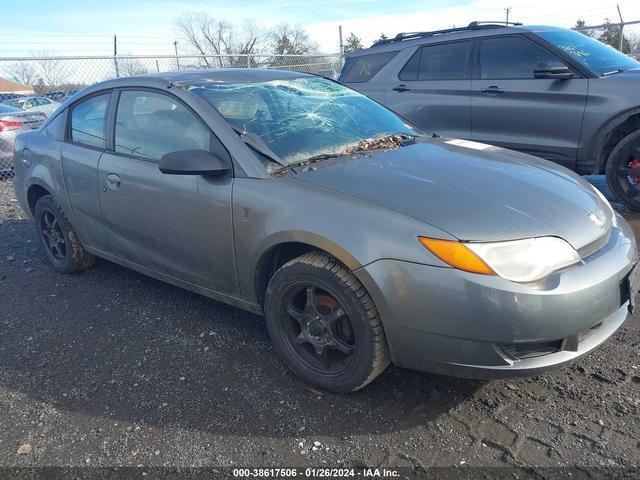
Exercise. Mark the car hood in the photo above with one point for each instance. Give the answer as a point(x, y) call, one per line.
point(473, 191)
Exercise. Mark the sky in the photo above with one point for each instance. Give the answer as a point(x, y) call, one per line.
point(86, 27)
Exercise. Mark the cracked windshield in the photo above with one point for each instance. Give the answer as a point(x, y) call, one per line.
point(304, 117)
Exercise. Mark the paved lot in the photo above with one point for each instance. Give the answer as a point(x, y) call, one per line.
point(109, 367)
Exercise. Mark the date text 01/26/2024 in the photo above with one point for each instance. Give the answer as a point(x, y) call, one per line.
point(312, 472)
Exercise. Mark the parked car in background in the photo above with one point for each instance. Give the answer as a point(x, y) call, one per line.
point(60, 95)
point(11, 121)
point(361, 238)
point(548, 91)
point(40, 104)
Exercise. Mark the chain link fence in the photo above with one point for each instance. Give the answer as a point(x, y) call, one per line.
point(37, 85)
point(624, 37)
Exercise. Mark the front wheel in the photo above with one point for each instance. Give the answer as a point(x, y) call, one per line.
point(324, 324)
point(623, 171)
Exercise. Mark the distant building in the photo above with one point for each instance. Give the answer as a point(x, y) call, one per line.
point(11, 87)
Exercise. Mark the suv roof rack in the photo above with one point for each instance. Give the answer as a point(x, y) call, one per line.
point(472, 26)
point(495, 24)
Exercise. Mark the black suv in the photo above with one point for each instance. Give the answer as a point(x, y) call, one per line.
point(547, 91)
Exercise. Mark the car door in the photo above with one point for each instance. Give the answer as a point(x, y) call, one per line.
point(513, 109)
point(178, 225)
point(85, 142)
point(432, 88)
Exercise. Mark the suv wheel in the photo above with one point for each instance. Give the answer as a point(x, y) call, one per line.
point(62, 247)
point(324, 324)
point(623, 171)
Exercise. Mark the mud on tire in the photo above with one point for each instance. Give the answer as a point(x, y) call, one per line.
point(62, 247)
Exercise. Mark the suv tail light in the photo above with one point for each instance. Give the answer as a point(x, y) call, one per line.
point(9, 125)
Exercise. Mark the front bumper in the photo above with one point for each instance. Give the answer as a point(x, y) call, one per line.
point(446, 321)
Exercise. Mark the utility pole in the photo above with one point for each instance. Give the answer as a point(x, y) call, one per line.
point(507, 11)
point(115, 54)
point(175, 47)
point(341, 46)
point(621, 44)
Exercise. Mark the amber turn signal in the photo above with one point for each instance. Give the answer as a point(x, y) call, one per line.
point(457, 255)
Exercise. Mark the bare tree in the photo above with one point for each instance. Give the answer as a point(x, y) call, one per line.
point(250, 40)
point(130, 67)
point(209, 36)
point(288, 39)
point(50, 72)
point(23, 72)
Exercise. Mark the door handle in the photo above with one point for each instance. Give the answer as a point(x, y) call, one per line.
point(401, 88)
point(113, 181)
point(492, 89)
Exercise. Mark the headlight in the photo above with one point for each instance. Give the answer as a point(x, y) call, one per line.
point(525, 260)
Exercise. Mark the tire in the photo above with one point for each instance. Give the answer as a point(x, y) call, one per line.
point(621, 165)
point(341, 316)
point(62, 247)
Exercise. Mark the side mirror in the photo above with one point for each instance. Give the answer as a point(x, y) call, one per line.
point(553, 71)
point(193, 162)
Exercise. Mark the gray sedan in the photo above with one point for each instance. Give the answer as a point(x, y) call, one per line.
point(360, 238)
point(12, 120)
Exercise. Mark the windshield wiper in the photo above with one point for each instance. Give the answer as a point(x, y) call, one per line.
point(258, 145)
point(613, 72)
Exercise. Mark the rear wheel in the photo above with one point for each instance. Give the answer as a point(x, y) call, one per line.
point(623, 171)
point(324, 324)
point(62, 247)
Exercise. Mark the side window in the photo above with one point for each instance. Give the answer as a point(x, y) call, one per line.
point(511, 57)
point(56, 127)
point(447, 61)
point(88, 121)
point(363, 67)
point(149, 125)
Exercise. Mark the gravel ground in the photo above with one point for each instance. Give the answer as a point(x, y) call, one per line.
point(112, 368)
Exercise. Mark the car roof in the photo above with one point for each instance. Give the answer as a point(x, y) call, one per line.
point(474, 30)
point(187, 77)
point(23, 98)
point(217, 75)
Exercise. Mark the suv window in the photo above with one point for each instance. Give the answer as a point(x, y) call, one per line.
point(364, 67)
point(447, 61)
point(511, 57)
point(88, 121)
point(149, 125)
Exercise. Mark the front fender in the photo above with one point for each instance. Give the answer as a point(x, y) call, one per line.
point(596, 147)
point(271, 212)
point(313, 239)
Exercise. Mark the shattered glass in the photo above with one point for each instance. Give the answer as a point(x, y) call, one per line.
point(305, 117)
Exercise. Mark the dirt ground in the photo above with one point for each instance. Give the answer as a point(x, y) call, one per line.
point(111, 368)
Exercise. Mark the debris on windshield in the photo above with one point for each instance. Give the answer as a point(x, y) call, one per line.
point(382, 142)
point(379, 142)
